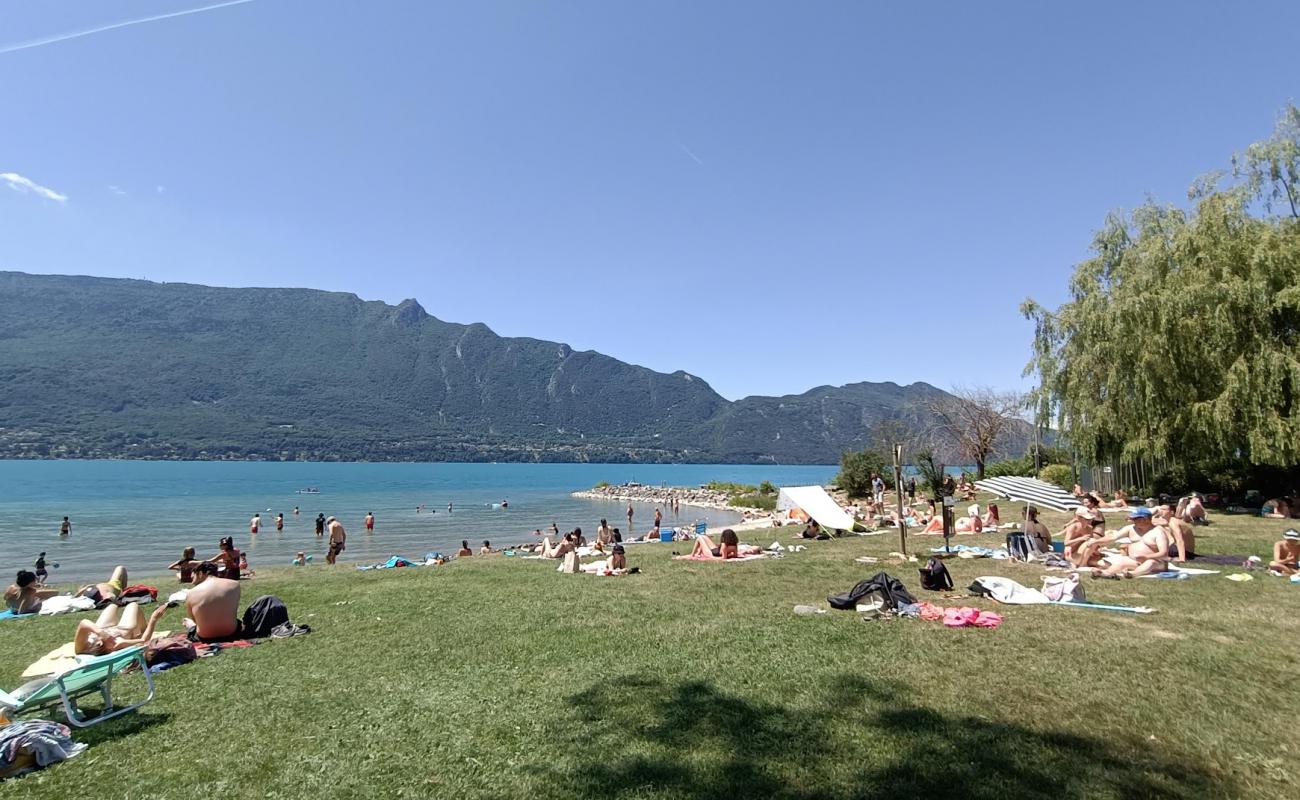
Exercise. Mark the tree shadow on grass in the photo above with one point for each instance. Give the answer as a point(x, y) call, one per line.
point(860, 738)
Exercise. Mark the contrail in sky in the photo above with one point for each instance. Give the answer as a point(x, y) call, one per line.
point(685, 150)
point(63, 37)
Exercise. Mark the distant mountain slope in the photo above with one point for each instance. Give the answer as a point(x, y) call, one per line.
point(98, 367)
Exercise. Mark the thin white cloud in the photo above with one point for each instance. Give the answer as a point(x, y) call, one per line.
point(23, 184)
point(688, 152)
point(160, 188)
point(63, 37)
point(118, 190)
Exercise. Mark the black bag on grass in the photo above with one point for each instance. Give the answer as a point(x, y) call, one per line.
point(263, 615)
point(935, 576)
point(891, 591)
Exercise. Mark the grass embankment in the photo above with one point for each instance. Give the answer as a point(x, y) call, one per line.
point(495, 677)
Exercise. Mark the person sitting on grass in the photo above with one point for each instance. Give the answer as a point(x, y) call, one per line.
point(1088, 524)
point(991, 518)
point(486, 549)
point(653, 535)
point(1192, 510)
point(560, 549)
point(1277, 508)
point(212, 606)
point(1147, 551)
point(24, 596)
point(1182, 540)
point(108, 634)
point(227, 558)
point(811, 531)
point(107, 591)
point(1037, 531)
point(604, 536)
point(972, 523)
point(1286, 554)
point(464, 550)
point(617, 558)
point(185, 566)
point(1120, 501)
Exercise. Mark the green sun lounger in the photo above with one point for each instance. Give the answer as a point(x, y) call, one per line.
point(94, 675)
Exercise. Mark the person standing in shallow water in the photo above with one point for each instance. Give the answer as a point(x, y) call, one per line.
point(629, 516)
point(279, 523)
point(320, 524)
point(370, 522)
point(66, 528)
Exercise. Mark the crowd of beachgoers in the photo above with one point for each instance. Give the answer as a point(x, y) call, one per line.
point(1157, 538)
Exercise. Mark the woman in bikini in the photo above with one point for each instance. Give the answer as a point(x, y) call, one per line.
point(185, 566)
point(107, 591)
point(729, 548)
point(108, 634)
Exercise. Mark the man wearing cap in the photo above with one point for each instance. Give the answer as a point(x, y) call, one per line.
point(1286, 553)
point(1147, 550)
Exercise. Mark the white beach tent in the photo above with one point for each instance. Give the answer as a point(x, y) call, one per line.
point(1030, 490)
point(814, 502)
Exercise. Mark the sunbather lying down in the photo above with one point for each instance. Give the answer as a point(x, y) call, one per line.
point(110, 633)
point(109, 590)
point(730, 548)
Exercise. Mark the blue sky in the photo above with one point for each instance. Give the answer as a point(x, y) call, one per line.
point(772, 196)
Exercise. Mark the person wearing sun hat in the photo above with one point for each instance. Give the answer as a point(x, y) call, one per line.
point(1286, 553)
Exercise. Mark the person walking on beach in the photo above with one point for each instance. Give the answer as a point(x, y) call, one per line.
point(370, 522)
point(320, 524)
point(255, 523)
point(629, 517)
point(659, 517)
point(41, 573)
point(66, 528)
point(878, 490)
point(338, 540)
point(279, 523)
point(911, 490)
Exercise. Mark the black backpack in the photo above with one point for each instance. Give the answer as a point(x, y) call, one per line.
point(935, 577)
point(263, 615)
point(891, 590)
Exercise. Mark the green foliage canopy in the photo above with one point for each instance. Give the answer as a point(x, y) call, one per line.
point(1182, 335)
point(857, 468)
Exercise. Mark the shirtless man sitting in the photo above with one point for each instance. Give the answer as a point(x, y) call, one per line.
point(25, 596)
point(212, 606)
point(1182, 540)
point(1147, 550)
point(1286, 554)
point(1088, 524)
point(107, 591)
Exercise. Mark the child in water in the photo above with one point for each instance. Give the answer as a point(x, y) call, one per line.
point(301, 559)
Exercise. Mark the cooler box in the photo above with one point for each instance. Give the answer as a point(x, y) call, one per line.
point(665, 534)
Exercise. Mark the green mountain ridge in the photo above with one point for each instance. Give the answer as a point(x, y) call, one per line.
point(112, 368)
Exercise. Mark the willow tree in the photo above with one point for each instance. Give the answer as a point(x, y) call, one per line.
point(1181, 338)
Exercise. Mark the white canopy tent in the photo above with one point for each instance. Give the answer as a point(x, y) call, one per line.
point(814, 502)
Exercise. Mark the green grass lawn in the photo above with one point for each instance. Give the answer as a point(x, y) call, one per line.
point(496, 677)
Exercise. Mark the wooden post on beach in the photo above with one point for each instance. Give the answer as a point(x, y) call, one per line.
point(898, 490)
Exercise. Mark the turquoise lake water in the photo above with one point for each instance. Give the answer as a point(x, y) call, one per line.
point(142, 513)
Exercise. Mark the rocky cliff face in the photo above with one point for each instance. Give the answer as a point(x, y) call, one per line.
point(96, 367)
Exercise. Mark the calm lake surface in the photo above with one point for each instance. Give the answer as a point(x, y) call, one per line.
point(142, 513)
